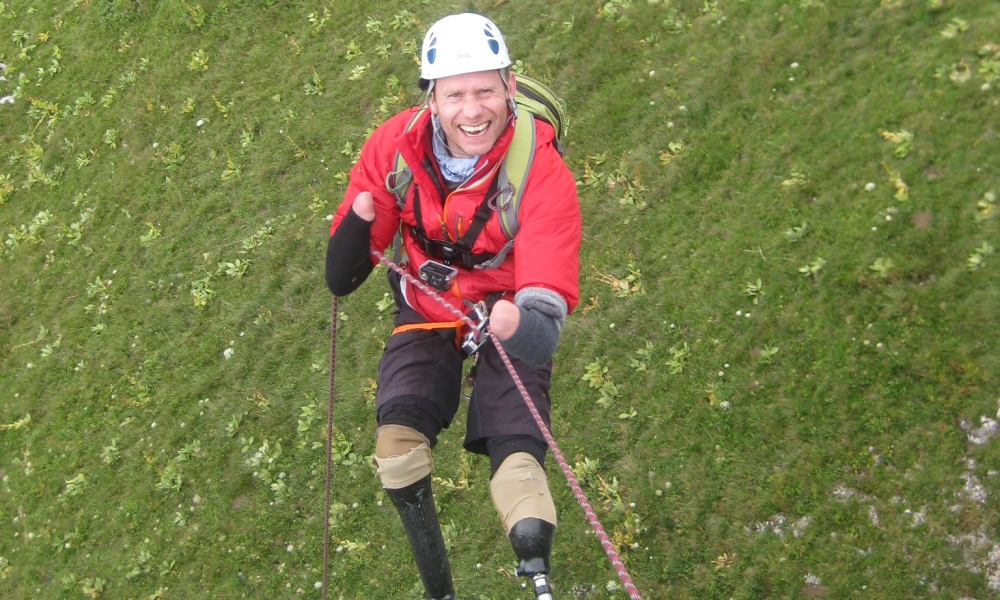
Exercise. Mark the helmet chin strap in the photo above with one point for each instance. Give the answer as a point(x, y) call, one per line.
point(511, 105)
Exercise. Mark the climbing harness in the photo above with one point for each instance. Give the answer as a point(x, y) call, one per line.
point(479, 332)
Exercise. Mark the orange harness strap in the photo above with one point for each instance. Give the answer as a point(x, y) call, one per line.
point(456, 325)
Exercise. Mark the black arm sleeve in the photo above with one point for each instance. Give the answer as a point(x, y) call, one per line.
point(348, 263)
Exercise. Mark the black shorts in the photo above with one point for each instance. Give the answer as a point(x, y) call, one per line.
point(420, 381)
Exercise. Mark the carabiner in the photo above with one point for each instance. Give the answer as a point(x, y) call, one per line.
point(504, 199)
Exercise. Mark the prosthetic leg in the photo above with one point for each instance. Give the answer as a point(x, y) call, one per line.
point(415, 505)
point(532, 542)
point(521, 496)
point(404, 465)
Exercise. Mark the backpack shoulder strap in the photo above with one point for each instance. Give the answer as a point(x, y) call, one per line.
point(515, 169)
point(397, 181)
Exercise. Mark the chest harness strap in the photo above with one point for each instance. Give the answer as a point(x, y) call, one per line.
point(458, 253)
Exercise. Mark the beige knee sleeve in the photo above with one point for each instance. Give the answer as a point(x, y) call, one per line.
point(403, 455)
point(520, 490)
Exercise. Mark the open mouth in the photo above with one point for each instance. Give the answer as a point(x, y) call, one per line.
point(474, 130)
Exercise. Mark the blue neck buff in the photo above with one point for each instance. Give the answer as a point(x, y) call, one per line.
point(454, 170)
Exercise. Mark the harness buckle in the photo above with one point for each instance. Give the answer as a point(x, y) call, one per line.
point(437, 275)
point(474, 340)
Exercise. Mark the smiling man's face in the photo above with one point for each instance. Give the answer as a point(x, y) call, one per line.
point(473, 110)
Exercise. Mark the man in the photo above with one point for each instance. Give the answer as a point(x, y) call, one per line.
point(454, 150)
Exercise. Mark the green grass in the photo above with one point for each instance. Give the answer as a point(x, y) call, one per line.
point(841, 465)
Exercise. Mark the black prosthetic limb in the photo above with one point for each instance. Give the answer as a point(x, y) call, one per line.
point(532, 542)
point(415, 505)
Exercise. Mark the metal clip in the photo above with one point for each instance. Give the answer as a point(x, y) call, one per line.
point(501, 199)
point(474, 340)
point(391, 182)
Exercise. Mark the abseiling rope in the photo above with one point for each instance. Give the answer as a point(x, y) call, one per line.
point(595, 523)
point(329, 445)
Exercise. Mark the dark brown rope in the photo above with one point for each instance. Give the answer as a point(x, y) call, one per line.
point(329, 446)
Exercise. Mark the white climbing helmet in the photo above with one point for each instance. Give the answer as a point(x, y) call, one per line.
point(465, 43)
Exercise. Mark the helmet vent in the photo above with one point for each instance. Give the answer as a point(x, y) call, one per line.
point(432, 52)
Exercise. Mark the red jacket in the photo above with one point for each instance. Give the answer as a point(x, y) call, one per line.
point(546, 247)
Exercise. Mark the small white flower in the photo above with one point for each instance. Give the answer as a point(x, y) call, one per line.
point(880, 345)
point(652, 102)
point(200, 123)
point(659, 492)
point(328, 217)
point(739, 313)
point(30, 365)
point(870, 186)
point(227, 353)
point(612, 326)
point(318, 585)
point(888, 217)
point(156, 144)
point(725, 405)
point(726, 365)
point(290, 547)
point(152, 425)
point(355, 505)
point(795, 65)
point(874, 228)
point(670, 124)
point(747, 315)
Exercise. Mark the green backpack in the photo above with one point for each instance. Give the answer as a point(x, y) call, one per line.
point(534, 100)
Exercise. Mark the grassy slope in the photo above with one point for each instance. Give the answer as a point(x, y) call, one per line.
point(828, 412)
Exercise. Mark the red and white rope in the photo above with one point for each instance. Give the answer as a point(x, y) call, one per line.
point(423, 288)
point(595, 523)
